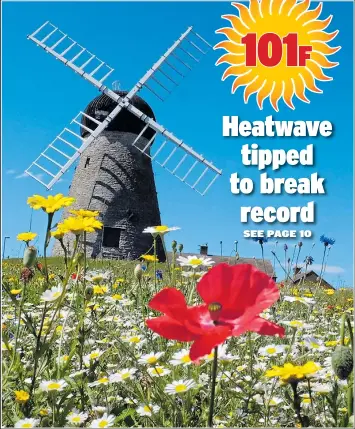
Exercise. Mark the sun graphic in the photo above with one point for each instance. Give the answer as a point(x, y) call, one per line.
point(282, 18)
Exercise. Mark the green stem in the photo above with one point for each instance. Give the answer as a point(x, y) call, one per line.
point(46, 242)
point(213, 387)
point(155, 264)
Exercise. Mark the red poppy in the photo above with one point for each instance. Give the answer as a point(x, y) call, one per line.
point(74, 276)
point(233, 295)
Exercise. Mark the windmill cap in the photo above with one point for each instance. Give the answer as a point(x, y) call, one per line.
point(101, 106)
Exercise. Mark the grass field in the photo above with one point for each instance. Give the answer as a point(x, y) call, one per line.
point(108, 368)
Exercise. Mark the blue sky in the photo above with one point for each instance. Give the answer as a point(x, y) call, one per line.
point(40, 97)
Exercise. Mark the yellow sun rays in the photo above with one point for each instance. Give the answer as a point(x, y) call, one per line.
point(281, 81)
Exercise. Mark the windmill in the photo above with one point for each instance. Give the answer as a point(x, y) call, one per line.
point(113, 141)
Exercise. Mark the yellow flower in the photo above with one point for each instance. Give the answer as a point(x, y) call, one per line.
point(59, 232)
point(100, 290)
point(78, 225)
point(329, 291)
point(26, 236)
point(331, 343)
point(51, 276)
point(15, 291)
point(290, 373)
point(21, 396)
point(149, 258)
point(117, 297)
point(85, 213)
point(50, 204)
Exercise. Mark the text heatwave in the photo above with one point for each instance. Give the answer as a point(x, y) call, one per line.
point(253, 155)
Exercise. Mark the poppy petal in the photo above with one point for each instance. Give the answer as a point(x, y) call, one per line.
point(170, 328)
point(262, 327)
point(240, 289)
point(169, 301)
point(205, 343)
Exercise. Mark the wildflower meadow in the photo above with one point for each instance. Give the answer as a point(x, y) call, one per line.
point(185, 343)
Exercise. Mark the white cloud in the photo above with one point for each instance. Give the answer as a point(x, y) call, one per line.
point(330, 269)
point(25, 176)
point(22, 176)
point(10, 171)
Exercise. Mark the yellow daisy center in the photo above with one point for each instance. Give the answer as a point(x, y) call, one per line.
point(134, 340)
point(180, 388)
point(271, 350)
point(158, 370)
point(26, 425)
point(103, 380)
point(195, 261)
point(103, 423)
point(147, 409)
point(152, 359)
point(76, 419)
point(296, 323)
point(53, 386)
point(161, 228)
point(186, 359)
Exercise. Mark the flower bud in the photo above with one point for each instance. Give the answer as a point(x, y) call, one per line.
point(79, 259)
point(342, 362)
point(29, 257)
point(89, 291)
point(180, 247)
point(174, 245)
point(138, 272)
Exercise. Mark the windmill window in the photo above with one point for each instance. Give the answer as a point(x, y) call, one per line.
point(87, 162)
point(111, 237)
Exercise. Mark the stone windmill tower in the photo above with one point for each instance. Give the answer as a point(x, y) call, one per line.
point(113, 142)
point(116, 179)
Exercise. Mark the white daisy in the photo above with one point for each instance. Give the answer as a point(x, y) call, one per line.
point(181, 358)
point(76, 417)
point(147, 410)
point(53, 294)
point(150, 358)
point(271, 350)
point(101, 381)
point(53, 385)
point(299, 324)
point(179, 386)
point(93, 356)
point(159, 230)
point(124, 374)
point(314, 344)
point(302, 299)
point(105, 421)
point(321, 388)
point(158, 371)
point(195, 261)
point(98, 277)
point(26, 423)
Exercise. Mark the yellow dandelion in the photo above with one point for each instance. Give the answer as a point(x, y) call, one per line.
point(26, 236)
point(100, 290)
point(85, 213)
point(149, 258)
point(290, 373)
point(50, 204)
point(78, 225)
point(21, 396)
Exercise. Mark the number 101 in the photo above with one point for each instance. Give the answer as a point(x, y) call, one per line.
point(259, 49)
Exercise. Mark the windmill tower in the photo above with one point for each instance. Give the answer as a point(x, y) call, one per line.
point(114, 139)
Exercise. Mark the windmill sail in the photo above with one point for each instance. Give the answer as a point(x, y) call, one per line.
point(162, 74)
